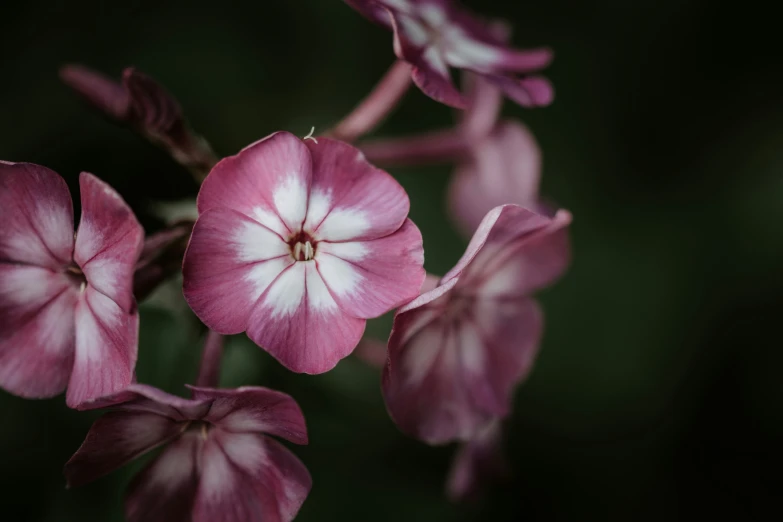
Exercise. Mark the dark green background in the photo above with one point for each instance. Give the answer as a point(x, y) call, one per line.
point(658, 392)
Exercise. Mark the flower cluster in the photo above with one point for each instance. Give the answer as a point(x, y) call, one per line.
point(298, 243)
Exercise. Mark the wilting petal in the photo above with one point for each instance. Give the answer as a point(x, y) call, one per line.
point(115, 439)
point(37, 216)
point(107, 95)
point(528, 91)
point(230, 262)
point(477, 462)
point(300, 324)
point(351, 199)
point(36, 330)
point(505, 168)
point(249, 477)
point(254, 409)
point(108, 242)
point(369, 278)
point(268, 181)
point(148, 399)
point(106, 348)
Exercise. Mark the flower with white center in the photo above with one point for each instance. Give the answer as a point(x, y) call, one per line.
point(298, 243)
point(436, 35)
point(67, 313)
point(457, 352)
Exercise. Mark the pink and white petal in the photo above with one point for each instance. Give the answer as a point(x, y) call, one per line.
point(115, 439)
point(249, 477)
point(506, 168)
point(298, 322)
point(37, 216)
point(108, 242)
point(473, 54)
point(148, 399)
point(268, 181)
point(166, 489)
point(369, 278)
point(350, 198)
point(254, 409)
point(431, 74)
point(527, 91)
point(230, 261)
point(107, 342)
point(36, 330)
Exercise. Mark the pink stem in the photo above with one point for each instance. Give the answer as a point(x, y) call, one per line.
point(377, 105)
point(435, 147)
point(209, 371)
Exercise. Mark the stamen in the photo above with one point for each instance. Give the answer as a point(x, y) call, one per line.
point(308, 251)
point(303, 251)
point(310, 136)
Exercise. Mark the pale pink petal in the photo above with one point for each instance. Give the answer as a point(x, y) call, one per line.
point(106, 348)
point(528, 91)
point(148, 399)
point(477, 462)
point(37, 216)
point(229, 263)
point(351, 199)
point(268, 181)
point(485, 101)
point(254, 409)
point(36, 330)
point(166, 489)
point(505, 168)
point(298, 322)
point(115, 439)
point(108, 242)
point(369, 278)
point(247, 478)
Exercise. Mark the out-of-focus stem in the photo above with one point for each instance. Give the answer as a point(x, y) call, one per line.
point(435, 147)
point(377, 105)
point(209, 371)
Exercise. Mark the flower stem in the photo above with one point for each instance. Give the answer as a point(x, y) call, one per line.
point(377, 105)
point(435, 147)
point(209, 371)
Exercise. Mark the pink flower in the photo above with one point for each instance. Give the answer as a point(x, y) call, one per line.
point(298, 243)
point(477, 463)
point(67, 313)
point(436, 35)
point(218, 462)
point(457, 351)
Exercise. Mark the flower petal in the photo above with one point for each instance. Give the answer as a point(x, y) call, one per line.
point(249, 477)
point(107, 95)
point(36, 330)
point(351, 199)
point(115, 439)
point(229, 263)
point(166, 489)
point(369, 278)
point(431, 75)
point(108, 242)
point(528, 91)
point(298, 322)
point(106, 348)
point(254, 409)
point(268, 181)
point(505, 168)
point(37, 216)
point(148, 399)
point(476, 463)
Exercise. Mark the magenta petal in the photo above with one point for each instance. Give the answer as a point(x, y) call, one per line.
point(351, 199)
point(268, 181)
point(528, 91)
point(505, 168)
point(106, 348)
point(166, 489)
point(36, 330)
point(249, 477)
point(369, 278)
point(437, 84)
point(254, 409)
point(156, 112)
point(298, 322)
point(109, 96)
point(476, 463)
point(108, 242)
point(37, 216)
point(522, 61)
point(229, 263)
point(115, 439)
point(148, 399)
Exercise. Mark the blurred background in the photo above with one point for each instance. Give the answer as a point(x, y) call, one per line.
point(658, 392)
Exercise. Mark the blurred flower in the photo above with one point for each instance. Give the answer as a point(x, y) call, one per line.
point(298, 243)
point(143, 104)
point(457, 351)
point(67, 313)
point(434, 35)
point(218, 462)
point(477, 463)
